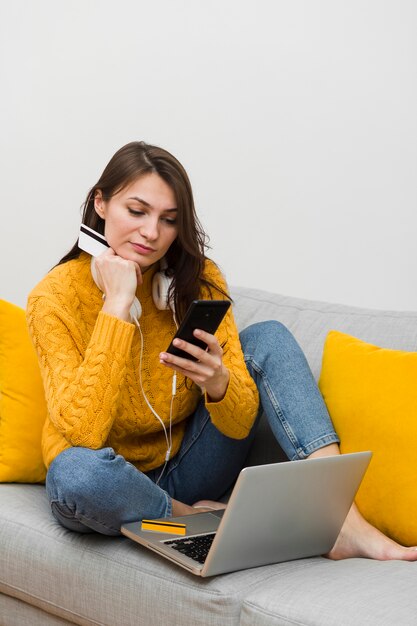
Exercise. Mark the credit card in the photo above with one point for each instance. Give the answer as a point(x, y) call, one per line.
point(91, 241)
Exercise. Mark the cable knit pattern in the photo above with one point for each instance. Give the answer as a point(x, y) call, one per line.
point(90, 360)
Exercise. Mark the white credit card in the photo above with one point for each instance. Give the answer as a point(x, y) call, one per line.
point(91, 241)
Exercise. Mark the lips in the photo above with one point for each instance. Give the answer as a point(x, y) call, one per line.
point(141, 249)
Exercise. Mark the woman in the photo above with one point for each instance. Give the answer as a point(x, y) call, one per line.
point(133, 431)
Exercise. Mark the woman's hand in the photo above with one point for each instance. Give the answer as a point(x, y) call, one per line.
point(208, 371)
point(118, 279)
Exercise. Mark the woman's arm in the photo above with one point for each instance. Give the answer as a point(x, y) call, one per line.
point(230, 392)
point(82, 378)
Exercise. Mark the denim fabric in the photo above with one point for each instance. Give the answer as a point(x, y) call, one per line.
point(288, 391)
point(97, 490)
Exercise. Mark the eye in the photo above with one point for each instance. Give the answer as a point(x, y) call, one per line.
point(169, 220)
point(134, 212)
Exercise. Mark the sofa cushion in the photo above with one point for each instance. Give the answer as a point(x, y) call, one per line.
point(93, 579)
point(22, 402)
point(319, 592)
point(20, 613)
point(310, 321)
point(371, 394)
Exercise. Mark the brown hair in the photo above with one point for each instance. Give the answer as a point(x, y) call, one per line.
point(186, 256)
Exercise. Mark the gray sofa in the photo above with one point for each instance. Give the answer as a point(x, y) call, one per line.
point(52, 577)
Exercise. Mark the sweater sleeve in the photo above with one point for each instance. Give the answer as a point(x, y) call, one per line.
point(82, 383)
point(235, 414)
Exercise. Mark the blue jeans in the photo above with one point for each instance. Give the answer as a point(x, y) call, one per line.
point(97, 490)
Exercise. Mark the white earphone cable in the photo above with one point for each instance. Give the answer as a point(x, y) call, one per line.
point(168, 438)
point(160, 296)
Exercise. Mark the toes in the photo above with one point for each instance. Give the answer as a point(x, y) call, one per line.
point(209, 505)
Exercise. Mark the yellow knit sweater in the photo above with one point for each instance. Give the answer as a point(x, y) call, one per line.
point(89, 362)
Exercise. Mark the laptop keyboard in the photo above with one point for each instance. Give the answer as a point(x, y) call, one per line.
point(196, 547)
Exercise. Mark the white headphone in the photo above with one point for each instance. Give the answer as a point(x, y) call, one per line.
point(161, 283)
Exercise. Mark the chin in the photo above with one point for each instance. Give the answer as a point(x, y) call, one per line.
point(145, 265)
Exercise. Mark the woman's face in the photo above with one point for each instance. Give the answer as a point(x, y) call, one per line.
point(140, 220)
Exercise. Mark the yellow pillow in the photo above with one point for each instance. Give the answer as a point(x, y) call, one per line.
point(371, 394)
point(22, 401)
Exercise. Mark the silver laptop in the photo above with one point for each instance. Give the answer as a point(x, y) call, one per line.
point(276, 513)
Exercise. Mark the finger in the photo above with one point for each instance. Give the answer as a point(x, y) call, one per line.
point(193, 370)
point(212, 342)
point(101, 261)
point(191, 349)
point(186, 365)
point(178, 361)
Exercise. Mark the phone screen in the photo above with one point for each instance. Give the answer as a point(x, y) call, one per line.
point(203, 314)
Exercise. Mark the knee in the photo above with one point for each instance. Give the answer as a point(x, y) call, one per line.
point(75, 472)
point(267, 336)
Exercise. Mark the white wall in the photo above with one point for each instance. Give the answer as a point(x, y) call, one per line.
point(296, 120)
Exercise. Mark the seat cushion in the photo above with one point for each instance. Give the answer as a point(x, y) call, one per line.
point(19, 613)
point(93, 579)
point(319, 592)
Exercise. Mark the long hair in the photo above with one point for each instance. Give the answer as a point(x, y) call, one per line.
point(186, 255)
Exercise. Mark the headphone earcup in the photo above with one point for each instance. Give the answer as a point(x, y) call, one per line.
point(160, 287)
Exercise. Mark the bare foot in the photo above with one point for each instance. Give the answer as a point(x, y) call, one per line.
point(179, 508)
point(358, 538)
point(209, 505)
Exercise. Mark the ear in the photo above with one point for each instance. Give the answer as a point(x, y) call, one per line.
point(99, 204)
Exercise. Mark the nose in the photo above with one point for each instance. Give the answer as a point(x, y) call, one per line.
point(149, 229)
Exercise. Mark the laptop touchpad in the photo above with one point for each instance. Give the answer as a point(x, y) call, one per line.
point(206, 522)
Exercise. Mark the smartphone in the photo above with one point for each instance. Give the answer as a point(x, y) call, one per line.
point(203, 314)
